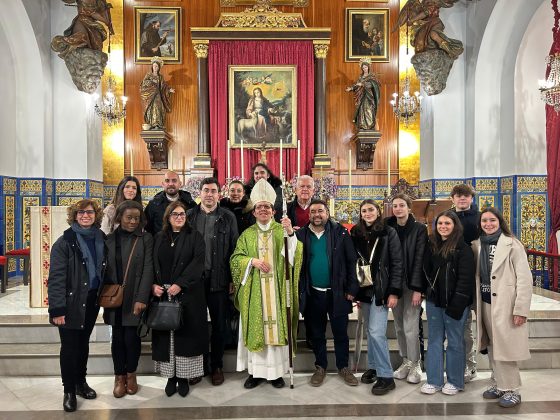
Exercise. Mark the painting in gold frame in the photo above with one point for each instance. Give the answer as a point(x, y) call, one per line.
point(262, 105)
point(157, 32)
point(367, 34)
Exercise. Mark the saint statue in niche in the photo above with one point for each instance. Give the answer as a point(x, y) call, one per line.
point(366, 98)
point(156, 97)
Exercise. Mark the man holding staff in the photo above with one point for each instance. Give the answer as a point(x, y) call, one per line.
point(258, 272)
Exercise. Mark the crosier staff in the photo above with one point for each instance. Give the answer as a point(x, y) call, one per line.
point(288, 287)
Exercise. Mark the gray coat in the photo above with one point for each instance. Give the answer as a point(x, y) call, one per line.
point(139, 279)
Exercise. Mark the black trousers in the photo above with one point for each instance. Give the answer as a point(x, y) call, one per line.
point(74, 347)
point(217, 306)
point(125, 349)
point(319, 304)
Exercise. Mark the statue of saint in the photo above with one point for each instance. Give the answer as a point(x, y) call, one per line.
point(366, 97)
point(156, 97)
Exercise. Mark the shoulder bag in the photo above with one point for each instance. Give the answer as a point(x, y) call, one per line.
point(363, 268)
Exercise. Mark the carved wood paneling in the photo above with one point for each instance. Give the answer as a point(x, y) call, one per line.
point(182, 122)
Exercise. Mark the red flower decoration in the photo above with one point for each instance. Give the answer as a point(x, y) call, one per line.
point(46, 229)
point(46, 265)
point(46, 210)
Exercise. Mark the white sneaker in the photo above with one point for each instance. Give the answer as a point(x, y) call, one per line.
point(402, 371)
point(429, 389)
point(470, 374)
point(450, 389)
point(415, 373)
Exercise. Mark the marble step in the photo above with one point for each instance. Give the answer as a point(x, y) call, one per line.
point(43, 359)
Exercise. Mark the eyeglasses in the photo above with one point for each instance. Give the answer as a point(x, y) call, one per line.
point(88, 212)
point(263, 207)
point(178, 215)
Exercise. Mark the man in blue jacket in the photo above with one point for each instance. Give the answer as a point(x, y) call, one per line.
point(328, 285)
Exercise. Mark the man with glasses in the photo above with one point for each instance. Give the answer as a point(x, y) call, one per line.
point(327, 286)
point(298, 210)
point(258, 270)
point(218, 226)
point(156, 206)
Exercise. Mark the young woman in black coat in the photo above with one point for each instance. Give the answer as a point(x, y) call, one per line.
point(379, 245)
point(450, 271)
point(76, 271)
point(128, 243)
point(179, 265)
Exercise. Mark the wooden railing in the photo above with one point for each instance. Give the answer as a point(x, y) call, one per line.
point(545, 269)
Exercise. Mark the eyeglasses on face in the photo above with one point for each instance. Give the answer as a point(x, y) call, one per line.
point(88, 212)
point(178, 215)
point(263, 207)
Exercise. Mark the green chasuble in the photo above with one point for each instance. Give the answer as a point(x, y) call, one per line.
point(259, 326)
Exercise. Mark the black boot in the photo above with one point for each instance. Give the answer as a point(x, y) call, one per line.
point(171, 387)
point(85, 391)
point(183, 388)
point(69, 403)
point(252, 382)
point(369, 376)
point(383, 386)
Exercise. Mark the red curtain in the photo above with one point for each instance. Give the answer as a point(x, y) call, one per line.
point(553, 155)
point(224, 53)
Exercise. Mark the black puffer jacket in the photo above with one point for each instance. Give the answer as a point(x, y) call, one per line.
point(469, 220)
point(242, 211)
point(68, 283)
point(387, 265)
point(413, 248)
point(156, 208)
point(451, 280)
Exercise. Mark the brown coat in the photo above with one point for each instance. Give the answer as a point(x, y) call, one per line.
point(511, 289)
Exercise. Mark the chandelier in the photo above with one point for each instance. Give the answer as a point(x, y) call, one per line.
point(406, 106)
point(109, 109)
point(550, 88)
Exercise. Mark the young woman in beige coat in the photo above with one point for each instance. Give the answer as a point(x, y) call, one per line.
point(503, 297)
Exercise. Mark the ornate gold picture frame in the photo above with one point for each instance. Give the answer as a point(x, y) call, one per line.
point(233, 3)
point(263, 105)
point(367, 34)
point(157, 32)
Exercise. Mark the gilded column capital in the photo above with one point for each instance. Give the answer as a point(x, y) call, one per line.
point(321, 48)
point(201, 48)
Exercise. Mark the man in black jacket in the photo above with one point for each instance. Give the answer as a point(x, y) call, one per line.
point(328, 285)
point(157, 205)
point(462, 196)
point(218, 226)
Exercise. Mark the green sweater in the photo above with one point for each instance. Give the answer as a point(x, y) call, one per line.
point(319, 263)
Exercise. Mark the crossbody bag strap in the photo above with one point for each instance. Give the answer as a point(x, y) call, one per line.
point(128, 262)
point(373, 250)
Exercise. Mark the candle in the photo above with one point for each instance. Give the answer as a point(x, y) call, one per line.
point(170, 165)
point(349, 174)
point(388, 172)
point(131, 160)
point(298, 158)
point(281, 177)
point(242, 163)
point(228, 161)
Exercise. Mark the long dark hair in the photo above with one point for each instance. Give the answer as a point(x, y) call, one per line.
point(119, 193)
point(445, 248)
point(378, 225)
point(166, 227)
point(272, 179)
point(503, 225)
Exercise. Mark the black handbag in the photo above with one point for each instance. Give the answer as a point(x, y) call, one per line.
point(164, 315)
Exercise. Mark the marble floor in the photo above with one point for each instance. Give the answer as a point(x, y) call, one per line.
point(41, 398)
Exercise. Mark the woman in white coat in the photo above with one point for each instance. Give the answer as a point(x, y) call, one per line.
point(503, 297)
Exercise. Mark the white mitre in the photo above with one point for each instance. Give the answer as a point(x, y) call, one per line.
point(263, 191)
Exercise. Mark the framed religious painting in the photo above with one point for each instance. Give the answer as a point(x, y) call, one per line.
point(367, 35)
point(157, 32)
point(262, 106)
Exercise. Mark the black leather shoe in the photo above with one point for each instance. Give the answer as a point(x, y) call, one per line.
point(171, 387)
point(369, 376)
point(85, 391)
point(183, 387)
point(278, 382)
point(69, 403)
point(251, 382)
point(383, 386)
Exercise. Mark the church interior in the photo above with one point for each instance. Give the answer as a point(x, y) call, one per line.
point(460, 103)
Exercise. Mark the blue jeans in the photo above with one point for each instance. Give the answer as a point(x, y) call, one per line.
point(375, 321)
point(440, 327)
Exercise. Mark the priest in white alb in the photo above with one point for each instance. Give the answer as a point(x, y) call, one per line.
point(257, 268)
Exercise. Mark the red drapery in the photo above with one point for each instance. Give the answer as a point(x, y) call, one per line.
point(224, 53)
point(553, 155)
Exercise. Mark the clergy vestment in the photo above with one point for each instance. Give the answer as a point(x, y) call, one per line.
point(261, 299)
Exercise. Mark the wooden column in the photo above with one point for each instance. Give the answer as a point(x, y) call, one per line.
point(321, 159)
point(202, 158)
